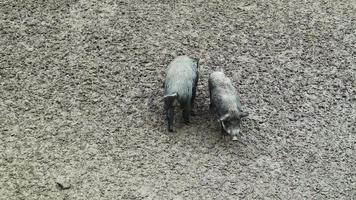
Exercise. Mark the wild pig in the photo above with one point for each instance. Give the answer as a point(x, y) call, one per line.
point(180, 87)
point(225, 102)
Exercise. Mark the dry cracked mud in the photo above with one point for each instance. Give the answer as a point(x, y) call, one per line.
point(81, 115)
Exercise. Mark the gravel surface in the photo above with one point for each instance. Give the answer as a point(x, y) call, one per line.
point(81, 115)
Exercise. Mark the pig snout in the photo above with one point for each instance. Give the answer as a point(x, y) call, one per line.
point(235, 134)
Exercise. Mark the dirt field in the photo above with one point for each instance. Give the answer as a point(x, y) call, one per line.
point(81, 115)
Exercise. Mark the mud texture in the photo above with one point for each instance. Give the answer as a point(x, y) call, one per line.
point(81, 115)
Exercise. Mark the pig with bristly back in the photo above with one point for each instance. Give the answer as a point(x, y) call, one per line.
point(180, 87)
point(225, 102)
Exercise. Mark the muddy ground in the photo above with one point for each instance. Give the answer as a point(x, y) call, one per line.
point(82, 116)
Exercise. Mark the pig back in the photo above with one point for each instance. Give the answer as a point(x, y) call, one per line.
point(223, 94)
point(181, 75)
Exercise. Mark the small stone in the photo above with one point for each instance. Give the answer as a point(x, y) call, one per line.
point(63, 184)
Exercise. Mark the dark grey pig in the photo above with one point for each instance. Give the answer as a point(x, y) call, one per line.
point(225, 103)
point(180, 87)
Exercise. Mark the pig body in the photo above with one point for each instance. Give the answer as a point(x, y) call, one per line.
point(180, 87)
point(225, 102)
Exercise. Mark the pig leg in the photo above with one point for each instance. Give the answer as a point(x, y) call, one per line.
point(187, 110)
point(192, 100)
point(211, 100)
point(222, 129)
point(169, 115)
point(211, 106)
point(194, 91)
point(224, 134)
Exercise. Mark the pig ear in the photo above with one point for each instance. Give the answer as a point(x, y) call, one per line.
point(243, 114)
point(224, 117)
